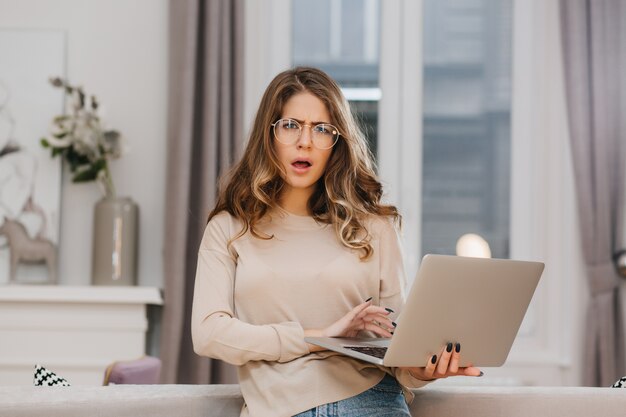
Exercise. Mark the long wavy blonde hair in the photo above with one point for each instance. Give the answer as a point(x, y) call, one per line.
point(347, 192)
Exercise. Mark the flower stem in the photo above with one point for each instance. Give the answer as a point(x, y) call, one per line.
point(108, 182)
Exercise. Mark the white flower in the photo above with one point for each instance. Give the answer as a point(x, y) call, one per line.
point(82, 140)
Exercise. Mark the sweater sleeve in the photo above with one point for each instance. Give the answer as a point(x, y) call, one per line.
point(215, 330)
point(393, 285)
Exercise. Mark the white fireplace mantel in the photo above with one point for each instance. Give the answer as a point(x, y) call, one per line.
point(74, 331)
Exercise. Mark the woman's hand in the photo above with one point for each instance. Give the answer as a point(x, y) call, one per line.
point(365, 316)
point(444, 365)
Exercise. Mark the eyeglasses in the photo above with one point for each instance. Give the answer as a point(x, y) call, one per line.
point(288, 131)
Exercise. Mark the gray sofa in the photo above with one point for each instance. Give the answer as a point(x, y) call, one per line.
point(225, 400)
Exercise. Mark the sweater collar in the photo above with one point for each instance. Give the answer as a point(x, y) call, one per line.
point(295, 221)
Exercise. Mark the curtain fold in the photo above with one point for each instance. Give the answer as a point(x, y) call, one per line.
point(205, 137)
point(591, 36)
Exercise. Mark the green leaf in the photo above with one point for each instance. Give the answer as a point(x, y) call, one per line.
point(75, 159)
point(101, 164)
point(61, 118)
point(85, 175)
point(90, 173)
point(44, 142)
point(56, 81)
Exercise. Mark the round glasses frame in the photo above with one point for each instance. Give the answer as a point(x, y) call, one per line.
point(316, 131)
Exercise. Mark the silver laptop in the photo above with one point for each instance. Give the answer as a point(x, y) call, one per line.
point(477, 302)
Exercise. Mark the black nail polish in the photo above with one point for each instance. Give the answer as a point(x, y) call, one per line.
point(389, 310)
point(449, 348)
point(391, 333)
point(433, 360)
point(394, 324)
point(368, 299)
point(481, 373)
point(458, 347)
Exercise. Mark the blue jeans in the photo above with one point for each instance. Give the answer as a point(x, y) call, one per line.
point(383, 400)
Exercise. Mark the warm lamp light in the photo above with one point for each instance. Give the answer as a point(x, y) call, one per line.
point(473, 245)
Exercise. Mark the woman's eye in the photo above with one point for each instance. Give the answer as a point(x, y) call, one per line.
point(290, 124)
point(323, 129)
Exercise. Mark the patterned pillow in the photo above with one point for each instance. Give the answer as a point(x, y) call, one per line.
point(621, 383)
point(44, 377)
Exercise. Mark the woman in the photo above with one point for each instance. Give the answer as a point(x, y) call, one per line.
point(299, 244)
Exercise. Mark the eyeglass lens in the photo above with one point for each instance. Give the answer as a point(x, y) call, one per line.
point(323, 135)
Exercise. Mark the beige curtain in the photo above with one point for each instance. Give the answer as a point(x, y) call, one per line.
point(204, 138)
point(592, 47)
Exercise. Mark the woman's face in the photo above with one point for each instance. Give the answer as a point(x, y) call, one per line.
point(303, 163)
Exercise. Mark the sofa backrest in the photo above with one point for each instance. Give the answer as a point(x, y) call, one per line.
point(225, 401)
point(519, 402)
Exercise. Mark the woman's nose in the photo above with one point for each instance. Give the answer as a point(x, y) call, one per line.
point(305, 139)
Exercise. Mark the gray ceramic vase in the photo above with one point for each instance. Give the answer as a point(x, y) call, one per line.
point(115, 236)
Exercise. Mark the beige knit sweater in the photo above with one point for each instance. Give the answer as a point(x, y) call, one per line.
point(254, 298)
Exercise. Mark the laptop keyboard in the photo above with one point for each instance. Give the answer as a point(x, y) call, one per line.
point(377, 352)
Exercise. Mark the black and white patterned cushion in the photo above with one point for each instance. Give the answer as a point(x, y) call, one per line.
point(44, 377)
point(621, 383)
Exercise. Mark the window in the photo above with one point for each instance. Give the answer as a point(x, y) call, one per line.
point(342, 38)
point(466, 123)
point(466, 104)
point(475, 38)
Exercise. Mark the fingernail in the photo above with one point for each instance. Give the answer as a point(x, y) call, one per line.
point(458, 347)
point(389, 310)
point(481, 373)
point(449, 348)
point(368, 299)
point(433, 360)
point(394, 324)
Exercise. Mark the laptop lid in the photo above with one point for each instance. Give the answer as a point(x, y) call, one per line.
point(479, 303)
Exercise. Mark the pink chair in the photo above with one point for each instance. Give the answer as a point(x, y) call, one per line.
point(145, 370)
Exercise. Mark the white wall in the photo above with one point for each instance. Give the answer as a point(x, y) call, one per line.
point(116, 49)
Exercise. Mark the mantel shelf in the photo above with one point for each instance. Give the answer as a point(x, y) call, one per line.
point(81, 294)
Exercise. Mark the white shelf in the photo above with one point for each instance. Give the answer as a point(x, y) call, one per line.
point(87, 294)
point(74, 331)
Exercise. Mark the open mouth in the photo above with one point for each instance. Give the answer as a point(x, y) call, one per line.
point(301, 164)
